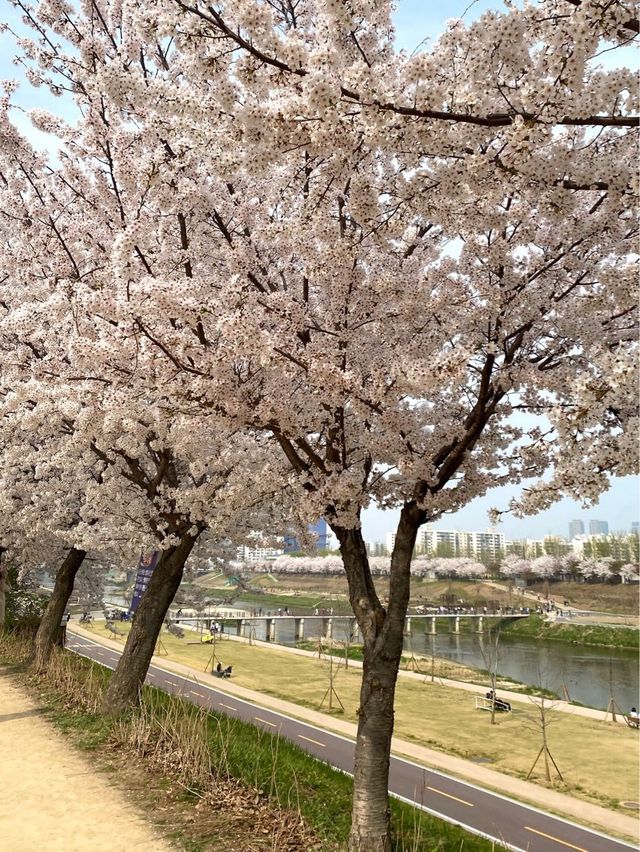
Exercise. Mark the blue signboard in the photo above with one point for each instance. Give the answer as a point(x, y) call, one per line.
point(145, 570)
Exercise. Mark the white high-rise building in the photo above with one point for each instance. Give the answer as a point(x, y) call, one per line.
point(258, 554)
point(433, 542)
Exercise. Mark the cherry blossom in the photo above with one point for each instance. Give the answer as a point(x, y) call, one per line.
point(266, 223)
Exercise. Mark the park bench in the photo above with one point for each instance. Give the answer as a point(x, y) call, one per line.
point(483, 703)
point(632, 721)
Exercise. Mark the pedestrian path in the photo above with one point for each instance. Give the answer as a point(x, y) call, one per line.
point(53, 798)
point(552, 801)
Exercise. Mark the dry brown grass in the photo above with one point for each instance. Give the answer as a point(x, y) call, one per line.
point(600, 597)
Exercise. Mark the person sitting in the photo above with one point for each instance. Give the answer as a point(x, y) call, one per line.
point(500, 703)
point(227, 671)
point(634, 714)
point(219, 668)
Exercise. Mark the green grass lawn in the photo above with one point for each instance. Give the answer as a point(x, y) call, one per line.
point(599, 760)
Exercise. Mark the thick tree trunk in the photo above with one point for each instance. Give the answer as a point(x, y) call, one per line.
point(128, 678)
point(4, 588)
point(52, 618)
point(382, 632)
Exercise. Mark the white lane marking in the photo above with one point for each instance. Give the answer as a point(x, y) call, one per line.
point(309, 740)
point(264, 722)
point(557, 839)
point(229, 707)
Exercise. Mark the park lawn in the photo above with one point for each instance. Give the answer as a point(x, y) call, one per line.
point(599, 760)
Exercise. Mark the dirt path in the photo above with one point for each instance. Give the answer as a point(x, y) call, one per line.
point(52, 798)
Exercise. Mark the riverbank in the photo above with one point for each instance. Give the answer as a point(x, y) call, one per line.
point(599, 635)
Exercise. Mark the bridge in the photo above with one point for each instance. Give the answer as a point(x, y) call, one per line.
point(327, 626)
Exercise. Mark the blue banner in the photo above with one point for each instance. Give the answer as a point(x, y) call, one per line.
point(146, 567)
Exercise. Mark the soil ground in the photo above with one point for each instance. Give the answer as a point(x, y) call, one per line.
point(54, 799)
point(599, 597)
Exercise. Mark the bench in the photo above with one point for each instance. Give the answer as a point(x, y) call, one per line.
point(483, 703)
point(632, 721)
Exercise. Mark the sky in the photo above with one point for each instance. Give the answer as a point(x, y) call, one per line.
point(415, 20)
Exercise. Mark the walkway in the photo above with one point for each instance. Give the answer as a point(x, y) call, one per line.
point(53, 799)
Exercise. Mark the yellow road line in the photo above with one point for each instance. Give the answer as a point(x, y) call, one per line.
point(264, 722)
point(449, 796)
point(309, 740)
point(557, 839)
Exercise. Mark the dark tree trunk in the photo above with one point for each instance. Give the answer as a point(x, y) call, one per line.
point(128, 678)
point(52, 618)
point(382, 632)
point(4, 588)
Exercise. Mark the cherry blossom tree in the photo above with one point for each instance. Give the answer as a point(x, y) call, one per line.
point(629, 573)
point(596, 569)
point(545, 567)
point(372, 261)
point(514, 566)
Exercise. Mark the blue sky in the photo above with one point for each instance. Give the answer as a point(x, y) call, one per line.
point(416, 20)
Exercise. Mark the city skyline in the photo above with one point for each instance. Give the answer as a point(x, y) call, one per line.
point(620, 506)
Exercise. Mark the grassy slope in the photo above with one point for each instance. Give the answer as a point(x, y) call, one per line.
point(585, 634)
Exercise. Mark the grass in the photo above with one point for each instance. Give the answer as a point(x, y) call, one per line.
point(303, 603)
point(307, 589)
point(258, 791)
point(599, 597)
point(598, 759)
point(535, 627)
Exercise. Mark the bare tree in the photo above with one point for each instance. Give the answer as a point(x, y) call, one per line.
point(490, 652)
point(544, 720)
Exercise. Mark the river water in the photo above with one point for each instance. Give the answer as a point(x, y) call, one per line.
point(589, 674)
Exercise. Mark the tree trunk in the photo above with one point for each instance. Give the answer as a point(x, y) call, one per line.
point(52, 618)
point(128, 678)
point(4, 588)
point(382, 632)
